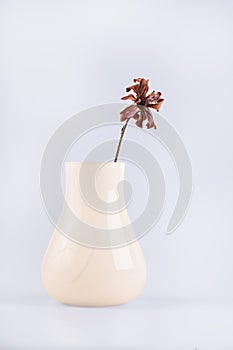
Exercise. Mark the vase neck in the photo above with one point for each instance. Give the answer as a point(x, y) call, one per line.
point(101, 179)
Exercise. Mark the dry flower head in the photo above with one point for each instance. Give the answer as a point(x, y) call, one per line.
point(139, 110)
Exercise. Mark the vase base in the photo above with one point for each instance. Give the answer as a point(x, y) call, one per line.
point(81, 276)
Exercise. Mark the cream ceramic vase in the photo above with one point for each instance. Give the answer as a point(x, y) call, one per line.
point(84, 276)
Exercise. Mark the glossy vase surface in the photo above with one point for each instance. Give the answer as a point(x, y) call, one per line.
point(76, 274)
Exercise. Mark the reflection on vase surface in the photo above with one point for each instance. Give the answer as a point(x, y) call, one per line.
point(88, 276)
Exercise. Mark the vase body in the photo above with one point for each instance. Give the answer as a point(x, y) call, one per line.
point(80, 275)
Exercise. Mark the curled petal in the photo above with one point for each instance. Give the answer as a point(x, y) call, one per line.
point(129, 97)
point(133, 87)
point(153, 97)
point(140, 109)
point(138, 80)
point(131, 109)
point(157, 105)
point(129, 112)
point(149, 126)
point(150, 120)
point(150, 97)
point(143, 88)
point(139, 121)
point(144, 113)
point(157, 96)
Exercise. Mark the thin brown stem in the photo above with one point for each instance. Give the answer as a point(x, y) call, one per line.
point(120, 141)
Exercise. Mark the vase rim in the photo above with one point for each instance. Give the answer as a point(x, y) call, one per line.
point(112, 162)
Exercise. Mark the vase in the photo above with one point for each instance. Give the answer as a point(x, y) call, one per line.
point(82, 275)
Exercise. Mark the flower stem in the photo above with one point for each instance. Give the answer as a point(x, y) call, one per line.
point(121, 137)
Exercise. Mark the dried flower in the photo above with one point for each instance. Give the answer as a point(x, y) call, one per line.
point(139, 110)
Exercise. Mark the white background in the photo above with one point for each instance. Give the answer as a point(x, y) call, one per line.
point(60, 57)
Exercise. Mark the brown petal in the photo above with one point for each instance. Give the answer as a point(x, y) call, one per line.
point(153, 97)
point(150, 96)
point(139, 121)
point(129, 97)
point(157, 95)
point(133, 87)
point(132, 108)
point(129, 112)
point(137, 80)
point(143, 88)
point(150, 124)
point(157, 105)
point(140, 116)
point(144, 113)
